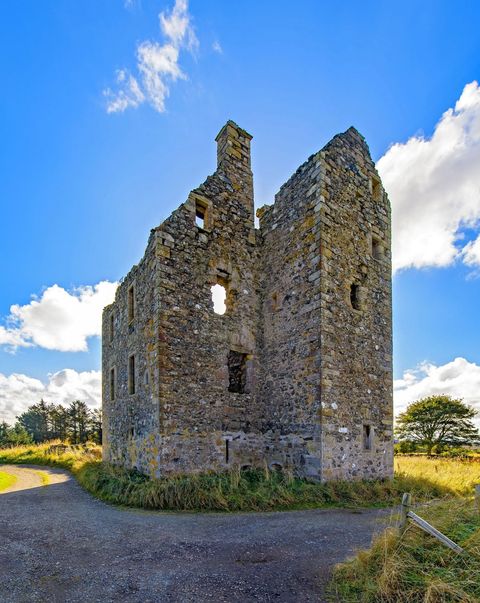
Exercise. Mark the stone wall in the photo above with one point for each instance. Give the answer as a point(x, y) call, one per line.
point(291, 374)
point(356, 326)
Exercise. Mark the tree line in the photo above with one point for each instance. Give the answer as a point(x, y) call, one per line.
point(42, 422)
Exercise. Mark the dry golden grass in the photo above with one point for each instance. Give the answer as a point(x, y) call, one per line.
point(456, 474)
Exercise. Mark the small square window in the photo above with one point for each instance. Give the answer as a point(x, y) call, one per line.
point(200, 214)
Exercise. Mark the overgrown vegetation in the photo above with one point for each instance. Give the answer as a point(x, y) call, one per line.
point(6, 480)
point(415, 567)
point(231, 491)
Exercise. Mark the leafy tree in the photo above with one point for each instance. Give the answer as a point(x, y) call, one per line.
point(438, 421)
point(13, 436)
point(19, 435)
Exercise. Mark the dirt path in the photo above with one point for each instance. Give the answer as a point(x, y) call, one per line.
point(60, 545)
point(31, 477)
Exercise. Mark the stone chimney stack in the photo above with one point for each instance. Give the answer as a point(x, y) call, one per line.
point(233, 161)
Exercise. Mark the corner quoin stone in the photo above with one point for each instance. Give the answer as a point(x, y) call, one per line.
point(298, 371)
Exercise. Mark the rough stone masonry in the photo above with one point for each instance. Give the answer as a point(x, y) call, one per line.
point(297, 372)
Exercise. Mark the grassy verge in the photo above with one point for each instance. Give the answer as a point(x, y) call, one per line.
point(416, 567)
point(252, 490)
point(6, 480)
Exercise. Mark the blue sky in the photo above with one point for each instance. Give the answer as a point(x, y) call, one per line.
point(108, 118)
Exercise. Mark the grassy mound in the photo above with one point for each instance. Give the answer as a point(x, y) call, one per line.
point(415, 567)
point(235, 490)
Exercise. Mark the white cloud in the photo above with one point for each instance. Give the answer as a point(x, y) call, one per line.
point(471, 253)
point(458, 378)
point(58, 319)
point(157, 64)
point(177, 27)
point(434, 187)
point(18, 392)
point(129, 95)
point(216, 47)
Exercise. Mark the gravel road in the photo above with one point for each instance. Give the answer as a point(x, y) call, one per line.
point(60, 545)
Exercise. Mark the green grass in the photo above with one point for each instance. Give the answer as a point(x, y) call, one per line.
point(415, 567)
point(6, 480)
point(251, 490)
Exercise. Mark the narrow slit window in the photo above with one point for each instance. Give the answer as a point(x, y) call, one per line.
point(367, 437)
point(237, 372)
point(227, 451)
point(377, 248)
point(131, 375)
point(112, 384)
point(354, 296)
point(376, 189)
point(112, 326)
point(200, 215)
point(131, 304)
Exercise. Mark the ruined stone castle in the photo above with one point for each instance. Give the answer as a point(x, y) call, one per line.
point(297, 371)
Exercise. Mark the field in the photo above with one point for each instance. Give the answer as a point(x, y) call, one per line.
point(457, 475)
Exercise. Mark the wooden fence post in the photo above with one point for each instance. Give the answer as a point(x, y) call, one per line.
point(477, 497)
point(406, 504)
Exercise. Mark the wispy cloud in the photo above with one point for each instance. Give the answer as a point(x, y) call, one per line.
point(434, 187)
point(458, 378)
point(58, 319)
point(18, 391)
point(216, 47)
point(157, 64)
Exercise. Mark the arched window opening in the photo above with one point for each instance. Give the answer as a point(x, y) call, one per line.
point(219, 296)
